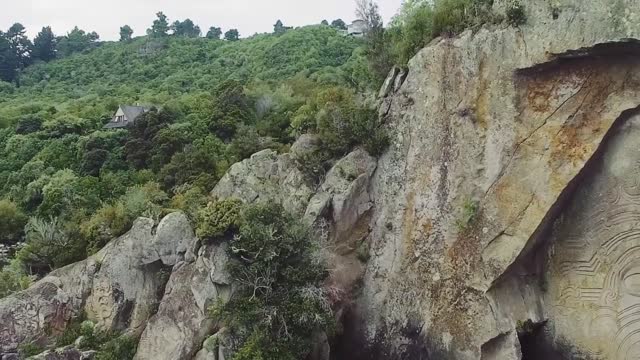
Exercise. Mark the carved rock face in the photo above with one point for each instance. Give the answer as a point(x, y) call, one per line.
point(594, 272)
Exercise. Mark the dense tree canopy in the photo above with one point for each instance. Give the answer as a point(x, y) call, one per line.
point(160, 26)
point(186, 28)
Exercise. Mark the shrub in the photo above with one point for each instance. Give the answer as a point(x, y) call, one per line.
point(280, 303)
point(12, 221)
point(120, 348)
point(49, 245)
point(516, 15)
point(218, 218)
point(13, 278)
point(115, 219)
point(29, 349)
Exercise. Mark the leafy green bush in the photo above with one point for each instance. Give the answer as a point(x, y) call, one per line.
point(13, 278)
point(115, 219)
point(29, 349)
point(12, 221)
point(218, 218)
point(281, 302)
point(516, 15)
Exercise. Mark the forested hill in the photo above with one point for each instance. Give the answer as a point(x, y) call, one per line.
point(68, 186)
point(170, 69)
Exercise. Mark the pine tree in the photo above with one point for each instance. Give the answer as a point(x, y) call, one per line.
point(44, 45)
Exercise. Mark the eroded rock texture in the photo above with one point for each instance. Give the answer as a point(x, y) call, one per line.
point(492, 131)
point(119, 288)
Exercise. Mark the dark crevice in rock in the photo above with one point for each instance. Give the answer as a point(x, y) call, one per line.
point(535, 346)
point(627, 47)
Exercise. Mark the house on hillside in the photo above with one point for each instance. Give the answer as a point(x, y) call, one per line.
point(357, 28)
point(125, 116)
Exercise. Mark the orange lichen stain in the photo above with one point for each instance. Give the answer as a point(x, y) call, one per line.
point(482, 99)
point(408, 223)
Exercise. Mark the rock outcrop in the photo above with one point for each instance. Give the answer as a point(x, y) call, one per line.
point(118, 288)
point(492, 132)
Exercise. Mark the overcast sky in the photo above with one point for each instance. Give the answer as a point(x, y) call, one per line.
point(106, 16)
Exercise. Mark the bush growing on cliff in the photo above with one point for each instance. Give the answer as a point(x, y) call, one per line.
point(280, 303)
point(12, 221)
point(218, 218)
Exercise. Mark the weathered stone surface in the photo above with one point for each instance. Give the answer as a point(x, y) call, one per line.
point(306, 145)
point(593, 297)
point(216, 347)
point(182, 323)
point(66, 353)
point(266, 176)
point(118, 288)
point(505, 118)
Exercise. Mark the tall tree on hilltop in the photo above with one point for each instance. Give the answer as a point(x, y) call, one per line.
point(377, 49)
point(324, 22)
point(76, 40)
point(232, 35)
point(339, 24)
point(278, 28)
point(20, 44)
point(8, 61)
point(126, 32)
point(160, 26)
point(214, 33)
point(44, 45)
point(186, 28)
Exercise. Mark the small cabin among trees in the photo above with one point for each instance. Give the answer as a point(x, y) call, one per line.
point(357, 28)
point(125, 116)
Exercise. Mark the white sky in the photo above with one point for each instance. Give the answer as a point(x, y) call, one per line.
point(106, 16)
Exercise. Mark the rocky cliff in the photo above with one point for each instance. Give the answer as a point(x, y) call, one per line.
point(501, 223)
point(505, 207)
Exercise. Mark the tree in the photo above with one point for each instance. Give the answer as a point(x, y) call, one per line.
point(377, 47)
point(160, 26)
point(339, 24)
point(278, 28)
point(125, 33)
point(214, 33)
point(20, 45)
point(232, 35)
point(8, 60)
point(44, 45)
point(186, 28)
point(76, 41)
point(324, 22)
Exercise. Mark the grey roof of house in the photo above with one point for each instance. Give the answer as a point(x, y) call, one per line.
point(130, 112)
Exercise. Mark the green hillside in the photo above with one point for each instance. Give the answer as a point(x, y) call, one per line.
point(67, 185)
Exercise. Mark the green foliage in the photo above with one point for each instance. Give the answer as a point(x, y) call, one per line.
point(113, 220)
point(110, 345)
point(186, 28)
point(232, 35)
point(29, 349)
point(339, 24)
point(126, 32)
point(13, 278)
point(44, 45)
point(468, 214)
point(160, 26)
point(12, 221)
point(50, 245)
point(214, 33)
point(76, 41)
point(216, 103)
point(516, 15)
point(218, 218)
point(281, 302)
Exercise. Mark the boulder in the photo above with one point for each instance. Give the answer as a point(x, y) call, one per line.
point(182, 323)
point(305, 146)
point(266, 176)
point(118, 288)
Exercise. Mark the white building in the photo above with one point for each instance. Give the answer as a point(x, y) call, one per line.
point(357, 28)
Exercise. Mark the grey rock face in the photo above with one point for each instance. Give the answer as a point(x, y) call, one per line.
point(114, 287)
point(266, 176)
point(181, 324)
point(490, 130)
